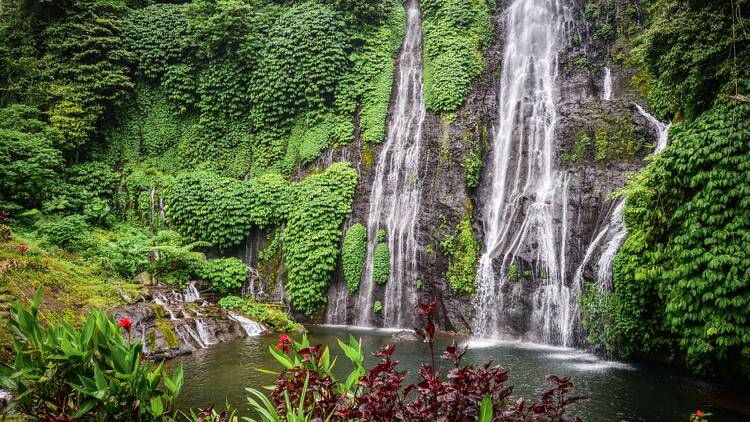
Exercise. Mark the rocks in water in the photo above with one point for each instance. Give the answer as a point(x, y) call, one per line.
point(177, 323)
point(405, 335)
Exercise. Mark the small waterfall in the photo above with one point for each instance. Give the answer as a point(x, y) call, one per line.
point(525, 219)
point(661, 128)
point(251, 327)
point(203, 333)
point(607, 95)
point(615, 228)
point(395, 196)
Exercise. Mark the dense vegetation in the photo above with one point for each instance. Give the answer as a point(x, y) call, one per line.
point(680, 279)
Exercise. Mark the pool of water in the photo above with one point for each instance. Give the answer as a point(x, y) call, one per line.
point(617, 391)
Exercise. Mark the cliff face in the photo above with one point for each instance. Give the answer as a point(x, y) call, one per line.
point(598, 142)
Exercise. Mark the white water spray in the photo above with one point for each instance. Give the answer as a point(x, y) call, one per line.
point(395, 196)
point(527, 209)
point(251, 327)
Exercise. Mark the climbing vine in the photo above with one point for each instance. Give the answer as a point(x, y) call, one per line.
point(381, 263)
point(353, 251)
point(319, 204)
point(225, 274)
point(206, 207)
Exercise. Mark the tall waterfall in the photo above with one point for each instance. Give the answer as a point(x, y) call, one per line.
point(526, 214)
point(394, 200)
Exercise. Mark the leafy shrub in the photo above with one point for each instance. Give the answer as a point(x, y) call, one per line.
point(512, 274)
point(126, 253)
point(29, 158)
point(225, 274)
point(377, 307)
point(206, 207)
point(62, 373)
point(381, 263)
point(591, 11)
point(319, 204)
point(692, 52)
point(353, 252)
point(680, 278)
point(67, 232)
point(472, 169)
point(605, 32)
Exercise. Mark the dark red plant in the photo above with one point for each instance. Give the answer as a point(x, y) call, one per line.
point(455, 396)
point(284, 343)
point(23, 249)
point(3, 216)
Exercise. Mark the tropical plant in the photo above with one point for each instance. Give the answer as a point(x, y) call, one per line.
point(353, 251)
point(62, 373)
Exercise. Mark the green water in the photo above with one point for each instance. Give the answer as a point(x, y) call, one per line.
point(617, 391)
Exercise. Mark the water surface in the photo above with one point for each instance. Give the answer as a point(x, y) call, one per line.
point(617, 391)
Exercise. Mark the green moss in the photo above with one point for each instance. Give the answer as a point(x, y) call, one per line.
point(168, 333)
point(512, 273)
point(151, 340)
point(463, 255)
point(579, 149)
point(158, 311)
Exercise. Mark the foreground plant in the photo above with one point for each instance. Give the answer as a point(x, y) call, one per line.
point(306, 389)
point(62, 374)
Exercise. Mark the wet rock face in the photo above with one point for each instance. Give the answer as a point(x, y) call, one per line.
point(171, 324)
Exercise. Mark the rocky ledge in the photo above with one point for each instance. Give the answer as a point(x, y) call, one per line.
point(172, 323)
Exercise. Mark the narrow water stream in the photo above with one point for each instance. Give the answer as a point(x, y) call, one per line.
point(617, 391)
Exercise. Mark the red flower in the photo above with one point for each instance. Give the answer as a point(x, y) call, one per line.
point(699, 413)
point(284, 343)
point(125, 323)
point(23, 249)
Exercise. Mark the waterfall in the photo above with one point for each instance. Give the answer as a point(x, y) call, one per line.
point(607, 84)
point(251, 327)
point(615, 227)
point(394, 200)
point(525, 216)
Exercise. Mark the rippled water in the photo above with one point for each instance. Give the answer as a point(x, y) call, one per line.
point(618, 391)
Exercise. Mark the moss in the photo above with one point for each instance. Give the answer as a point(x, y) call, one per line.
point(151, 340)
point(158, 311)
point(463, 255)
point(367, 158)
point(167, 333)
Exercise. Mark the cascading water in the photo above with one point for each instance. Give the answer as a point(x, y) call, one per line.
point(526, 214)
point(607, 94)
point(615, 228)
point(251, 327)
point(395, 196)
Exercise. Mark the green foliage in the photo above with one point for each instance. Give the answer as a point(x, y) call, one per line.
point(87, 374)
point(270, 315)
point(591, 11)
point(377, 307)
point(367, 86)
point(29, 158)
point(605, 33)
point(353, 251)
point(381, 263)
point(595, 306)
point(455, 33)
point(616, 140)
point(67, 232)
point(579, 149)
point(380, 236)
point(206, 207)
point(269, 199)
point(472, 169)
point(463, 255)
point(691, 53)
point(87, 72)
point(318, 205)
point(512, 273)
point(225, 274)
point(302, 60)
point(680, 278)
point(88, 189)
